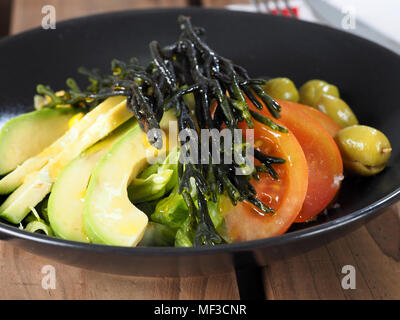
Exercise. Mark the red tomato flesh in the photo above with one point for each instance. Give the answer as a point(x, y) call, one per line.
point(285, 195)
point(331, 126)
point(325, 166)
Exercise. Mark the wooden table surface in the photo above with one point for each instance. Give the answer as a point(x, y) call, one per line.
point(374, 250)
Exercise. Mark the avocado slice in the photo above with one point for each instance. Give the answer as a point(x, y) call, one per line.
point(28, 134)
point(109, 217)
point(16, 178)
point(38, 184)
point(65, 206)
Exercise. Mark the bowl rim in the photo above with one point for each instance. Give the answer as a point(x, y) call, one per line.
point(303, 234)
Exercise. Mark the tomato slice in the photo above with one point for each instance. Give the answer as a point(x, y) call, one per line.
point(325, 166)
point(285, 195)
point(331, 126)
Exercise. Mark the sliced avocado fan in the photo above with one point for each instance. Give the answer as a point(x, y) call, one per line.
point(17, 177)
point(109, 217)
point(38, 183)
point(28, 134)
point(65, 206)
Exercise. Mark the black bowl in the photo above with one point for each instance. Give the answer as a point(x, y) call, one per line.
point(367, 75)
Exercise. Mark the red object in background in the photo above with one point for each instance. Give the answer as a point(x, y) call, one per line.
point(286, 12)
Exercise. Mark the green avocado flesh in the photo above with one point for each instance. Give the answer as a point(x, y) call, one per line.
point(17, 177)
point(65, 207)
point(28, 134)
point(96, 125)
point(109, 216)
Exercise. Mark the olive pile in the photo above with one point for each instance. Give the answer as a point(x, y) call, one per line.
point(365, 150)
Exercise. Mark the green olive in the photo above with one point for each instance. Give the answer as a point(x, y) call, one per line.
point(365, 150)
point(312, 90)
point(336, 109)
point(282, 89)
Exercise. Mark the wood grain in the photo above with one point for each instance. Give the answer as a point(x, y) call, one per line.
point(221, 3)
point(26, 14)
point(374, 250)
point(317, 274)
point(21, 278)
point(5, 10)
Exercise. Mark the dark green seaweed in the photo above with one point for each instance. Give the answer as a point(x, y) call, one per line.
point(188, 66)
